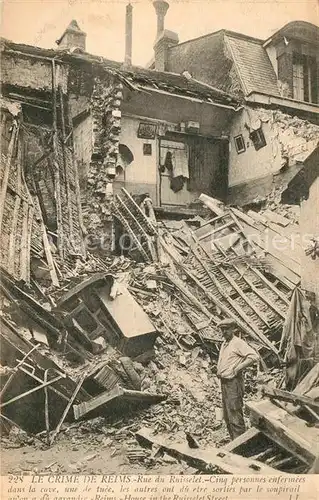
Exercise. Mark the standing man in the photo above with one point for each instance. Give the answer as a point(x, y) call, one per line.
point(235, 355)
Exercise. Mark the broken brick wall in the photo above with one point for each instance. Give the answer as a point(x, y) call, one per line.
point(289, 140)
point(97, 97)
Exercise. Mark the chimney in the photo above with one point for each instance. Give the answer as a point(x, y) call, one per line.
point(164, 38)
point(73, 37)
point(128, 35)
point(161, 8)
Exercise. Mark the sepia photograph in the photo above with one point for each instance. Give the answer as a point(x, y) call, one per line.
point(159, 279)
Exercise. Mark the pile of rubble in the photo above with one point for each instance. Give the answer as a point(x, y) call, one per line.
point(132, 341)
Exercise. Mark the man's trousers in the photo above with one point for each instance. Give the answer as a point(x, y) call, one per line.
point(232, 396)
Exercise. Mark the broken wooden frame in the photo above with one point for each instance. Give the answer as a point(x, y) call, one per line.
point(285, 429)
point(207, 461)
point(254, 444)
point(115, 397)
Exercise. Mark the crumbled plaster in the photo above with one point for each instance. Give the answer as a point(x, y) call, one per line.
point(273, 203)
point(256, 175)
point(295, 137)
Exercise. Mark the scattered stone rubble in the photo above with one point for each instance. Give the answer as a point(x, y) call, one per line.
point(181, 366)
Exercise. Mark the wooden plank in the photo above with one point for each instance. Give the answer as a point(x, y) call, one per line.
point(118, 214)
point(14, 238)
point(46, 246)
point(245, 321)
point(205, 460)
point(308, 382)
point(283, 275)
point(290, 397)
point(257, 238)
point(5, 180)
point(67, 408)
point(184, 290)
point(287, 430)
point(220, 304)
point(116, 395)
point(276, 218)
point(48, 255)
point(66, 184)
point(269, 285)
point(250, 434)
point(243, 216)
point(24, 249)
point(31, 391)
point(26, 273)
point(216, 206)
point(259, 313)
point(216, 230)
point(133, 221)
point(57, 187)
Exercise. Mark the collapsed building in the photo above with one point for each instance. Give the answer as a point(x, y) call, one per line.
point(97, 153)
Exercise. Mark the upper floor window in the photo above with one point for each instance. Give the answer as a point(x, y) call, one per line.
point(258, 138)
point(304, 70)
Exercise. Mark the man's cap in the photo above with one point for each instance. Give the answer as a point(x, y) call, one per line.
point(226, 323)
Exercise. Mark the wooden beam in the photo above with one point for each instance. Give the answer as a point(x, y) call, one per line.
point(46, 246)
point(243, 439)
point(67, 408)
point(8, 382)
point(31, 391)
point(116, 395)
point(308, 382)
point(285, 429)
point(6, 175)
point(205, 460)
point(184, 290)
point(290, 397)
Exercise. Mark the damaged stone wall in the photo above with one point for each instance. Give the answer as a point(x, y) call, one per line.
point(289, 140)
point(106, 122)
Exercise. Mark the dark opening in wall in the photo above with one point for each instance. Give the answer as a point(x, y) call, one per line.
point(258, 139)
point(37, 116)
point(240, 144)
point(147, 149)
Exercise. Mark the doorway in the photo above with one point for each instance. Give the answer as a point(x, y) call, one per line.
point(174, 173)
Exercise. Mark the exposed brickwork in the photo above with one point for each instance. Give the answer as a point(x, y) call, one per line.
point(106, 116)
